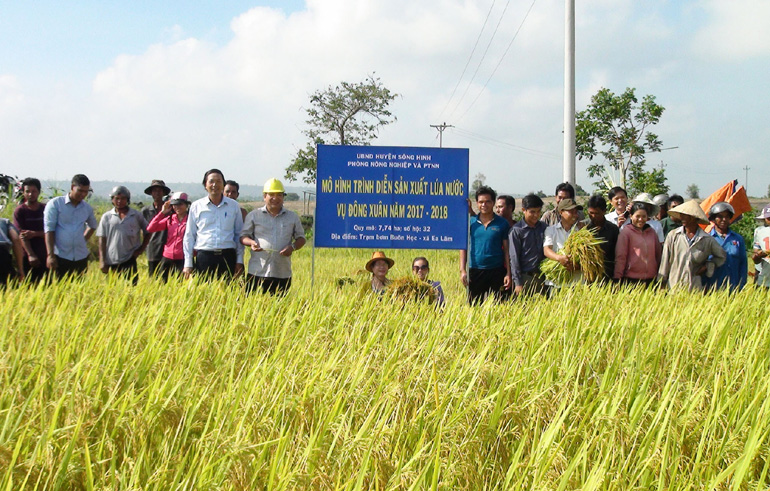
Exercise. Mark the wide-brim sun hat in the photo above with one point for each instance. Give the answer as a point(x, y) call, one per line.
point(765, 213)
point(379, 256)
point(691, 208)
point(647, 199)
point(157, 183)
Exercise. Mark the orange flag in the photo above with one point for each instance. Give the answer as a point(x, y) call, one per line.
point(730, 193)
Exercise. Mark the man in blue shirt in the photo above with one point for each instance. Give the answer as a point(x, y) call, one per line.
point(734, 272)
point(488, 270)
point(526, 248)
point(68, 223)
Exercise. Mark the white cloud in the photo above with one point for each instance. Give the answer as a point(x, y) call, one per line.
point(239, 105)
point(10, 92)
point(735, 30)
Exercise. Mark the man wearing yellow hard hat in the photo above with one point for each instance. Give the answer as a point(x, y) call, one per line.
point(272, 233)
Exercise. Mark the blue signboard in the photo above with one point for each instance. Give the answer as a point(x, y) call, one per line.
point(391, 197)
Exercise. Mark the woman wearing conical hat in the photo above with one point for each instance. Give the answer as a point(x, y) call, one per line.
point(689, 253)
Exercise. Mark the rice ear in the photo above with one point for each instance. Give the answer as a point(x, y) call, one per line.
point(586, 251)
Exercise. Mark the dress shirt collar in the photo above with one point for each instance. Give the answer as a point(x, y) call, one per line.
point(526, 225)
point(559, 225)
point(264, 210)
point(221, 203)
point(68, 201)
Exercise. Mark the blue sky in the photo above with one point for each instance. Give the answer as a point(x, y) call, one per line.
point(138, 90)
point(75, 40)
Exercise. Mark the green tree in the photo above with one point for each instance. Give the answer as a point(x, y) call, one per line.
point(768, 190)
point(478, 181)
point(346, 114)
point(745, 226)
point(615, 128)
point(579, 191)
point(643, 181)
point(693, 191)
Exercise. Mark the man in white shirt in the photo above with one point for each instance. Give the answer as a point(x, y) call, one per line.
point(761, 256)
point(556, 237)
point(212, 238)
point(619, 200)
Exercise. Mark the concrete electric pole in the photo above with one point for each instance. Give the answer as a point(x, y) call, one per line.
point(569, 92)
point(441, 128)
point(746, 182)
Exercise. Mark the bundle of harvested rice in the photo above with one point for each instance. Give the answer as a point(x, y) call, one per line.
point(585, 250)
point(555, 272)
point(412, 288)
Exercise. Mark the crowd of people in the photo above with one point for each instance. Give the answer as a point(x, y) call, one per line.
point(652, 241)
point(207, 236)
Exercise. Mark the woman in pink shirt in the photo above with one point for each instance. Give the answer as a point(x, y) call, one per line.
point(638, 251)
point(173, 217)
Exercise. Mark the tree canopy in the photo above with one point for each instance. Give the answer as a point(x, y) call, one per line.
point(693, 191)
point(478, 181)
point(345, 114)
point(616, 128)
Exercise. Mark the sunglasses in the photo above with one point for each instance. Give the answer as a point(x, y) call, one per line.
point(420, 268)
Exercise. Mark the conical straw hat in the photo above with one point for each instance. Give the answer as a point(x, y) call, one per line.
point(691, 208)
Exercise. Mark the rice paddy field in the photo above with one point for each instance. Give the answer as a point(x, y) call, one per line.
point(197, 386)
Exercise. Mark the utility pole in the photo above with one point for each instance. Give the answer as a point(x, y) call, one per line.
point(569, 92)
point(441, 128)
point(746, 182)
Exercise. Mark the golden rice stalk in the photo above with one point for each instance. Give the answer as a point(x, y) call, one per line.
point(586, 252)
point(412, 288)
point(555, 272)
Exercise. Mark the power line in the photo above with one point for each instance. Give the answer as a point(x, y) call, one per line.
point(515, 35)
point(481, 60)
point(485, 139)
point(717, 172)
point(475, 45)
